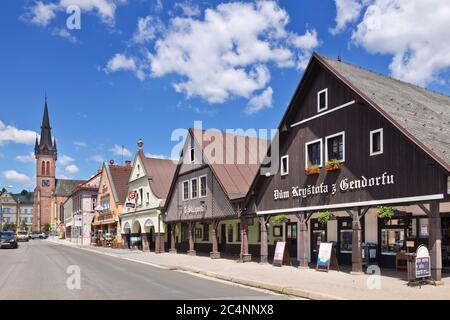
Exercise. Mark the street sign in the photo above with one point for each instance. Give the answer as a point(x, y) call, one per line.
point(78, 220)
point(53, 226)
point(130, 205)
point(131, 195)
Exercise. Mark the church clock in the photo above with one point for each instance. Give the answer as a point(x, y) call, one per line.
point(45, 183)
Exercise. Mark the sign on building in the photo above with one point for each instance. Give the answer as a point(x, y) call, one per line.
point(423, 269)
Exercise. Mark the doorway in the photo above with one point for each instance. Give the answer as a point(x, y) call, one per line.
point(291, 239)
point(223, 237)
point(318, 235)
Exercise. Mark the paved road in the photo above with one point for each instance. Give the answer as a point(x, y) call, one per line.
point(37, 270)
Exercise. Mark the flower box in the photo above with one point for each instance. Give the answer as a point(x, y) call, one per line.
point(332, 165)
point(312, 170)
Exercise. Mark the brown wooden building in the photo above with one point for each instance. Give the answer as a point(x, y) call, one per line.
point(350, 141)
point(204, 205)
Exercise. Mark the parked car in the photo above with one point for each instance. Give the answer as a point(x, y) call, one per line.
point(8, 239)
point(39, 235)
point(22, 236)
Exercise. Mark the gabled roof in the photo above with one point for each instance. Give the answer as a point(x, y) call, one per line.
point(64, 187)
point(118, 178)
point(423, 114)
point(90, 183)
point(236, 177)
point(160, 173)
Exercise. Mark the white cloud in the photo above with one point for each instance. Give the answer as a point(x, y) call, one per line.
point(147, 29)
point(415, 33)
point(227, 52)
point(97, 158)
point(80, 144)
point(71, 169)
point(347, 11)
point(26, 158)
point(121, 62)
point(188, 9)
point(42, 14)
point(65, 160)
point(65, 34)
point(9, 133)
point(157, 156)
point(118, 150)
point(259, 102)
point(17, 177)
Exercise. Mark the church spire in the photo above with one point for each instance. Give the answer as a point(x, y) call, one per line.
point(46, 144)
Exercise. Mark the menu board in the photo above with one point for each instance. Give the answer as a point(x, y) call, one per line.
point(422, 262)
point(324, 256)
point(279, 253)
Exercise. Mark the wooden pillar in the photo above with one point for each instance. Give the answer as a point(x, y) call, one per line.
point(303, 238)
point(145, 246)
point(245, 255)
point(263, 220)
point(215, 254)
point(173, 248)
point(434, 242)
point(356, 242)
point(191, 250)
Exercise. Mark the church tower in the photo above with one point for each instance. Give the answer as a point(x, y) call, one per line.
point(46, 154)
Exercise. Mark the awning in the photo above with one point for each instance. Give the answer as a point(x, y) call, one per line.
point(98, 223)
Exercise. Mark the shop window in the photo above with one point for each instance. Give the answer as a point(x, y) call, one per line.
point(376, 142)
point(284, 165)
point(335, 147)
point(203, 186)
point(392, 240)
point(194, 188)
point(322, 100)
point(313, 151)
point(205, 232)
point(423, 228)
point(198, 233)
point(346, 241)
point(185, 191)
point(230, 233)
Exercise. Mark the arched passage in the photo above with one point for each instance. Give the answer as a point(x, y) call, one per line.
point(127, 234)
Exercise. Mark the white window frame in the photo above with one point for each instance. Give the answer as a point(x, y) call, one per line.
point(200, 186)
point(190, 195)
point(381, 142)
point(326, 100)
point(321, 151)
point(342, 133)
point(183, 189)
point(284, 172)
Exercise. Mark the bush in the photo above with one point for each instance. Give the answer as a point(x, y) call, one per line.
point(385, 212)
point(324, 216)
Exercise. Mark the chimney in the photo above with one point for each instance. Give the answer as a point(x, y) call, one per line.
point(128, 164)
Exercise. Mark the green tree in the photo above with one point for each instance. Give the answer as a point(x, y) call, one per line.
point(46, 227)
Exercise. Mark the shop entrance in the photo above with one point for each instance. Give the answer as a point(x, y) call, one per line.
point(223, 237)
point(345, 237)
point(445, 225)
point(291, 239)
point(318, 235)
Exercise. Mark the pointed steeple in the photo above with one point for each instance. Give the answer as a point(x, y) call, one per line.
point(46, 144)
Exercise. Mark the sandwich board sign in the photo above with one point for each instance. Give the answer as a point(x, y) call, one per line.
point(280, 253)
point(326, 256)
point(423, 269)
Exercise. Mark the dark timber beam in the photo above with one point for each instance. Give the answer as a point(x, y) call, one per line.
point(215, 254)
point(191, 251)
point(264, 223)
point(356, 215)
point(245, 255)
point(173, 248)
point(434, 240)
point(303, 238)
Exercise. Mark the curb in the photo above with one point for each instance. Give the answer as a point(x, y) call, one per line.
point(300, 293)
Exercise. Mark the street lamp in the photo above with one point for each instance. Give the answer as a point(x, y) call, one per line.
point(2, 191)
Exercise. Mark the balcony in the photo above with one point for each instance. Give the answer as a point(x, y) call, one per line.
point(105, 215)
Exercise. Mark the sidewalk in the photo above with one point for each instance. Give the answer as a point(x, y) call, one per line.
point(305, 283)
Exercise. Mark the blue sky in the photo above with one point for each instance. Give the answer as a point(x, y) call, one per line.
point(119, 77)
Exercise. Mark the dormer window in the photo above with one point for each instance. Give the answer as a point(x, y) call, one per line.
point(322, 100)
point(192, 155)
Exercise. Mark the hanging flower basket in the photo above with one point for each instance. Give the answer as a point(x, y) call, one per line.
point(324, 217)
point(312, 170)
point(278, 219)
point(385, 212)
point(333, 164)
